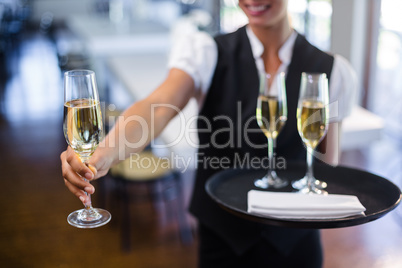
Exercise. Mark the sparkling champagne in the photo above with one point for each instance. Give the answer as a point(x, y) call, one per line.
point(83, 125)
point(312, 122)
point(270, 116)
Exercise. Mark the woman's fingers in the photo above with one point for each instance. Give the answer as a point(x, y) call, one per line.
point(76, 164)
point(73, 180)
point(99, 163)
point(77, 192)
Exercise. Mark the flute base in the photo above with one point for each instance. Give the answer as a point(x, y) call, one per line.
point(269, 182)
point(313, 190)
point(302, 183)
point(89, 218)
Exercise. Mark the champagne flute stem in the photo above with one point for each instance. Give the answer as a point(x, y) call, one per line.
point(310, 175)
point(88, 213)
point(88, 205)
point(270, 156)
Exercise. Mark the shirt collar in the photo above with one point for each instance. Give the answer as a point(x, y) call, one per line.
point(285, 52)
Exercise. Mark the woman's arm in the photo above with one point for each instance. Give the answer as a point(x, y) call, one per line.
point(133, 131)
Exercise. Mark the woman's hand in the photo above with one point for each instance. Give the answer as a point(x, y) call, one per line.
point(74, 172)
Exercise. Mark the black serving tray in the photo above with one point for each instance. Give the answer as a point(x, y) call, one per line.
point(229, 189)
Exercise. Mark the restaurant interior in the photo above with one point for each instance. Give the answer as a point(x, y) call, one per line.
point(127, 43)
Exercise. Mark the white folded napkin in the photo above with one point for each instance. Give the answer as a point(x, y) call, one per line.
point(303, 206)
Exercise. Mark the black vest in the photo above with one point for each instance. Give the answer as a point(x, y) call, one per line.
point(226, 123)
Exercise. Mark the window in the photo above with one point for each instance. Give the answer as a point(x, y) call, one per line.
point(385, 96)
point(312, 18)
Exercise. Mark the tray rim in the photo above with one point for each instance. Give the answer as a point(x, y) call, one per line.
point(303, 223)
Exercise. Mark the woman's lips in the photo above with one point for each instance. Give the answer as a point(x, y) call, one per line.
point(257, 9)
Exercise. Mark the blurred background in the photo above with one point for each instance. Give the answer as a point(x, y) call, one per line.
point(127, 43)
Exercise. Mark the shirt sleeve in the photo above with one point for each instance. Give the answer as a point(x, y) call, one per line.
point(342, 89)
point(197, 55)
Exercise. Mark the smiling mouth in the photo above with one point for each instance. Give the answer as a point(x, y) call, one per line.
point(257, 9)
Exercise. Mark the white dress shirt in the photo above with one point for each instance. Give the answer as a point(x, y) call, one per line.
point(197, 55)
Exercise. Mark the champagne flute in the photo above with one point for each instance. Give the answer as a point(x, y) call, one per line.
point(312, 124)
point(271, 117)
point(83, 131)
